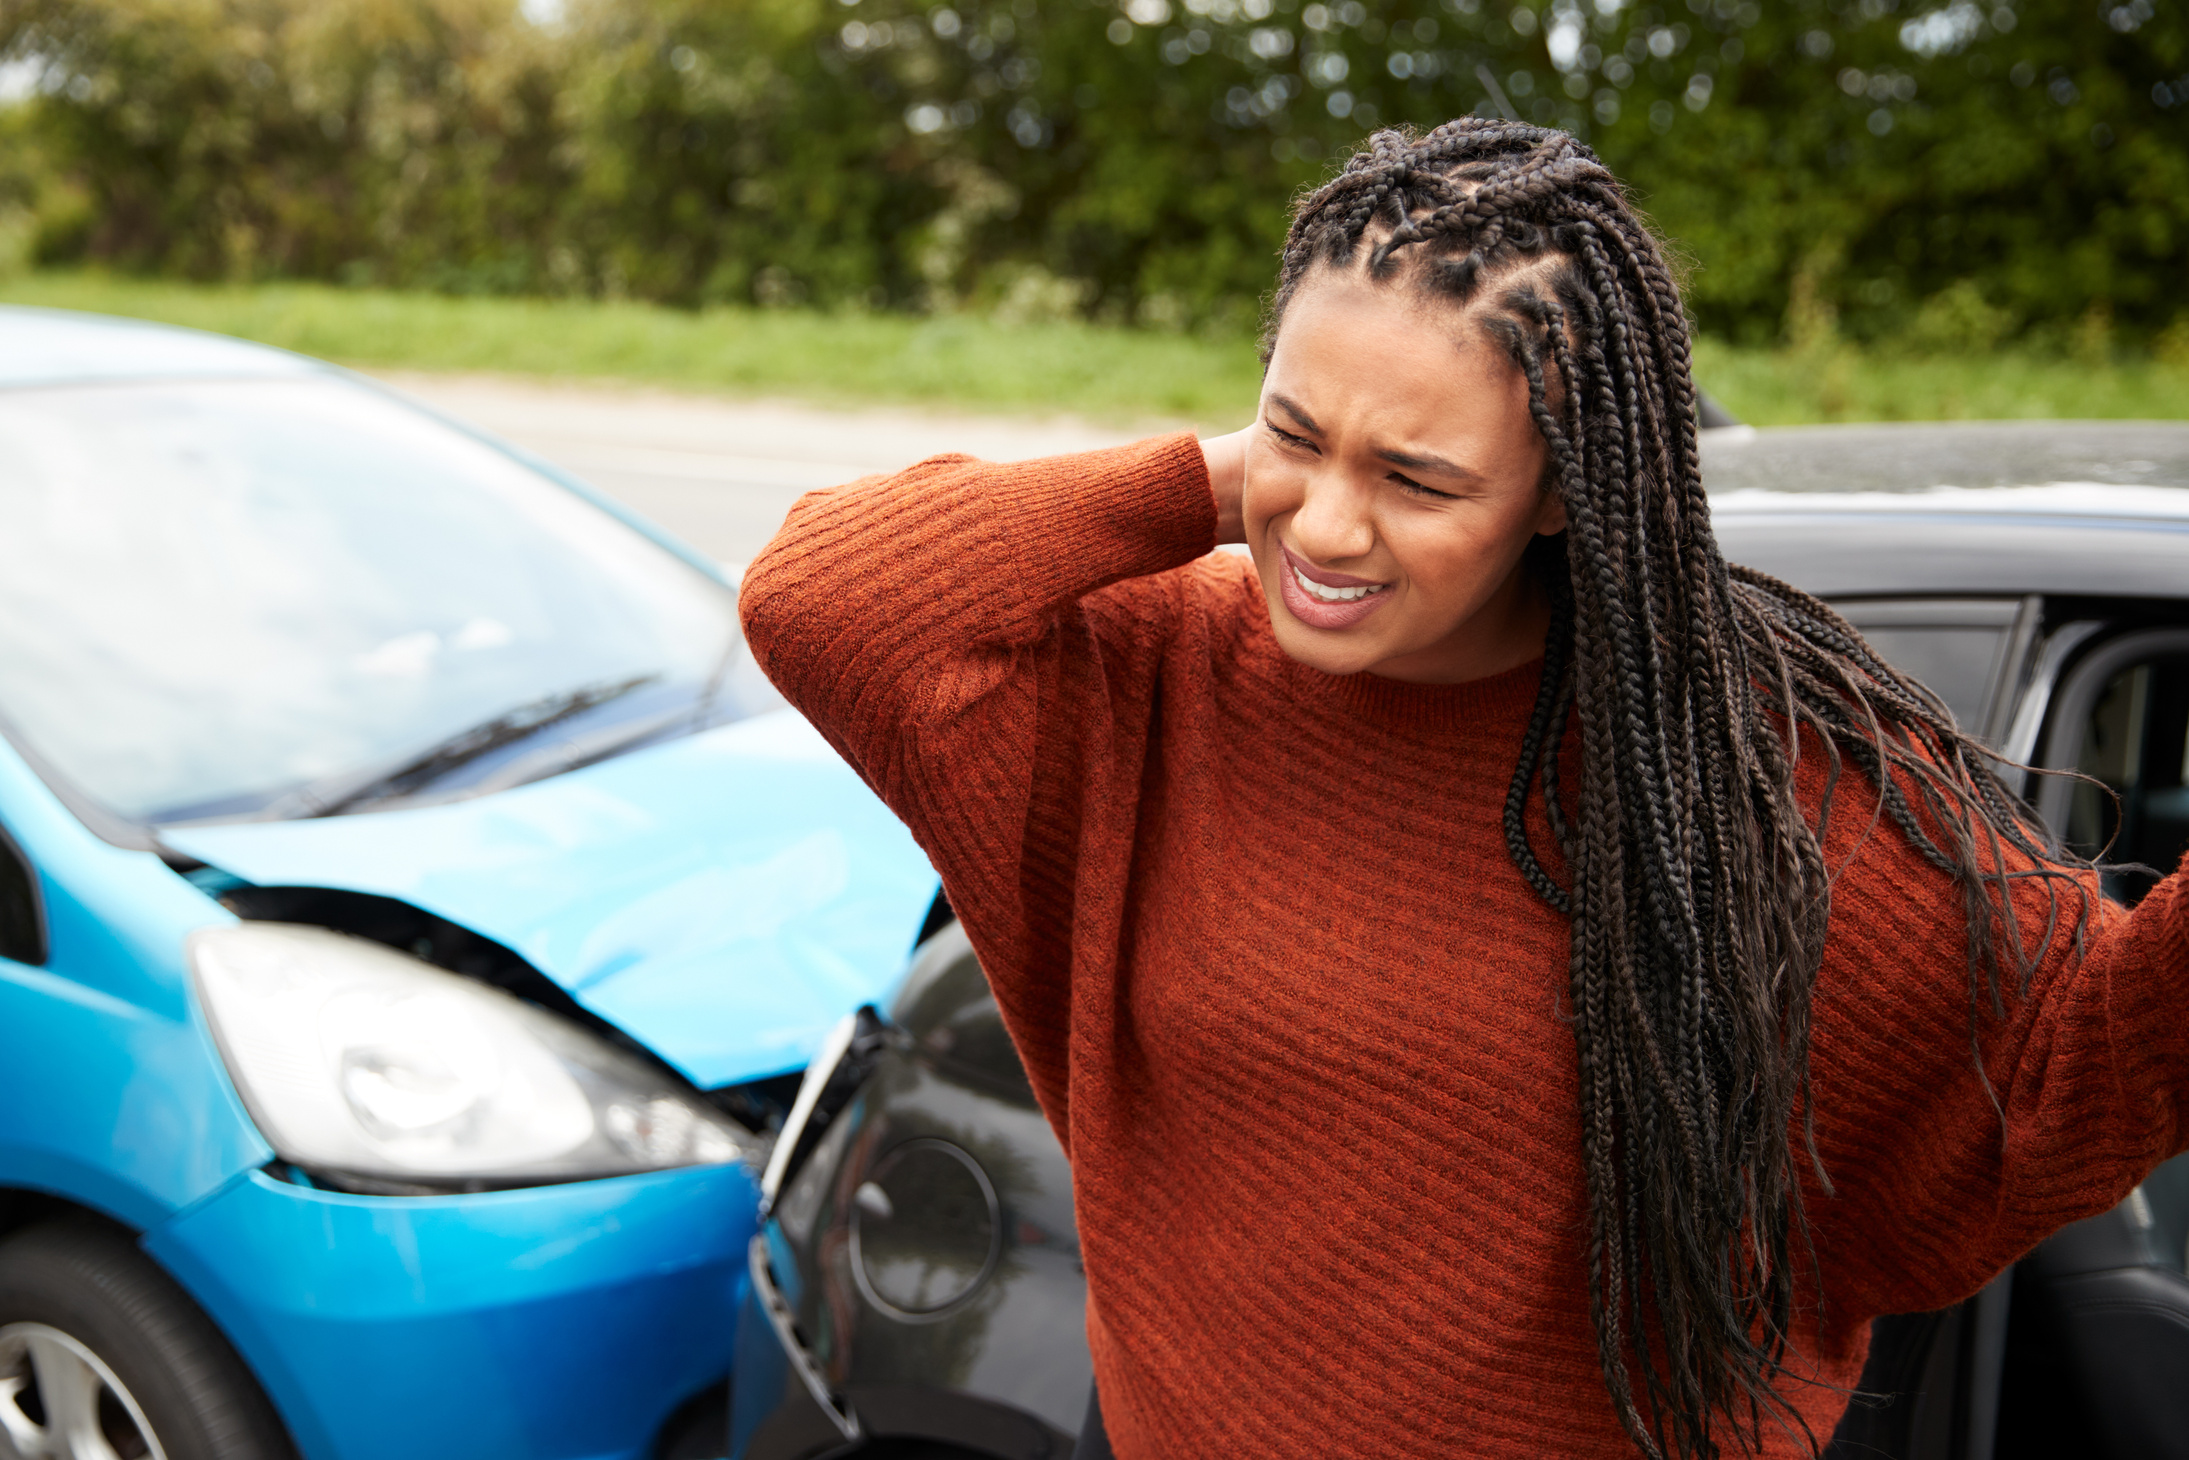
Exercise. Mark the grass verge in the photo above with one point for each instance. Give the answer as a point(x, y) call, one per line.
point(1839, 383)
point(971, 363)
point(958, 361)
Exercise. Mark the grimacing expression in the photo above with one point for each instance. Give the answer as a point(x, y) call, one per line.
point(1394, 481)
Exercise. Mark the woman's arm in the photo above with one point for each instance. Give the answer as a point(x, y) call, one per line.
point(954, 557)
point(980, 641)
point(1948, 1167)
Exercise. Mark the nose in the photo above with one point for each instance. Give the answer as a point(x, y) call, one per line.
point(1333, 523)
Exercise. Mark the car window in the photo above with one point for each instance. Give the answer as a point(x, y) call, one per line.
point(22, 919)
point(217, 594)
point(1958, 647)
point(2134, 749)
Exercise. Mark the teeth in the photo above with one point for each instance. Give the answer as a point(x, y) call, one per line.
point(1321, 594)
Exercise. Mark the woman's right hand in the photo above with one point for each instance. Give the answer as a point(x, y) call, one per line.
point(1227, 466)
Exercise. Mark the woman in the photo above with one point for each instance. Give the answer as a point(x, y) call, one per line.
point(1479, 1023)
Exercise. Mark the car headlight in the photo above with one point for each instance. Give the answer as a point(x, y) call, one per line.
point(358, 1060)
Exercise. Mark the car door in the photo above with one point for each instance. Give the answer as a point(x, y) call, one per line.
point(2082, 1348)
point(2097, 1353)
point(1930, 1389)
point(1969, 651)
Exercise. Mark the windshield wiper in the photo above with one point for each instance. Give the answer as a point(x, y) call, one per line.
point(586, 750)
point(460, 749)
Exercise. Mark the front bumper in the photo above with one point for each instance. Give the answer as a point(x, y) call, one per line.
point(787, 1407)
point(552, 1323)
point(784, 1407)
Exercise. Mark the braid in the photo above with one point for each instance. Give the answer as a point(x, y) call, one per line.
point(1551, 701)
point(1697, 889)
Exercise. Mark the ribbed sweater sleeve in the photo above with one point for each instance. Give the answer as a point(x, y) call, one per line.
point(1947, 1168)
point(946, 628)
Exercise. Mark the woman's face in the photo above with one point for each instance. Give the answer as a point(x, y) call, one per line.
point(1392, 484)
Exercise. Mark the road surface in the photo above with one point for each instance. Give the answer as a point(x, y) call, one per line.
point(721, 473)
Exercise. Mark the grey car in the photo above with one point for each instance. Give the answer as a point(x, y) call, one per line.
point(916, 1288)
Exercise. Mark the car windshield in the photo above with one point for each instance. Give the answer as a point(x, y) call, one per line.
point(240, 598)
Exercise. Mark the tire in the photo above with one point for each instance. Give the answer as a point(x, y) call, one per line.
point(91, 1322)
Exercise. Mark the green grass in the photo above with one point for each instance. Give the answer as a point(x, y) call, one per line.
point(957, 361)
point(970, 363)
point(1786, 388)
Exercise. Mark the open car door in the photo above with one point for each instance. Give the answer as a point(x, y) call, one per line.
point(2082, 1348)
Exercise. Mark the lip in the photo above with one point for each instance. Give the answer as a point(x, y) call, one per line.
point(1314, 613)
point(1323, 575)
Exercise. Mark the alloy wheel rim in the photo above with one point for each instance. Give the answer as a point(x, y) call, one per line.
point(60, 1401)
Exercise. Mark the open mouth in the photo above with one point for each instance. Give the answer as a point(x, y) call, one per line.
point(1322, 599)
point(1323, 594)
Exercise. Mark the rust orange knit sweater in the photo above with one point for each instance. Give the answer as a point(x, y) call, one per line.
point(1296, 1015)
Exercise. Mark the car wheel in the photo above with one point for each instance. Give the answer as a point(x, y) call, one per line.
point(103, 1357)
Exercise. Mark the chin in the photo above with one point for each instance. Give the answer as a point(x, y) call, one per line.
point(1331, 653)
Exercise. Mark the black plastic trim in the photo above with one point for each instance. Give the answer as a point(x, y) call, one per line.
point(30, 944)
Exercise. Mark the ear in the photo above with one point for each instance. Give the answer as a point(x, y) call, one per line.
point(1550, 517)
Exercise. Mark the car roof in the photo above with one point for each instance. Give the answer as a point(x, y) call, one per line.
point(2076, 508)
point(64, 347)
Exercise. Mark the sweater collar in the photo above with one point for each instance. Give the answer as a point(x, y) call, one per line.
point(1497, 703)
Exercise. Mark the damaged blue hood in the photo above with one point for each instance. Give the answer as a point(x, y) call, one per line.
point(723, 898)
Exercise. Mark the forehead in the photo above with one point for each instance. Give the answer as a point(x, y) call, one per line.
point(1390, 355)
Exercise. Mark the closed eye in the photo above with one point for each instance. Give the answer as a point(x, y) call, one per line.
point(1294, 441)
point(1409, 485)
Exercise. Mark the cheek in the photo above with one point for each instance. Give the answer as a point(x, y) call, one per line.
point(1270, 472)
point(1275, 486)
point(1452, 563)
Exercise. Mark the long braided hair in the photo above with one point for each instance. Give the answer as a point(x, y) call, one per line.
point(1699, 894)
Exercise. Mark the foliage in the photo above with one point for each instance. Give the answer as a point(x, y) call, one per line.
point(2033, 163)
point(1946, 178)
point(215, 138)
point(970, 361)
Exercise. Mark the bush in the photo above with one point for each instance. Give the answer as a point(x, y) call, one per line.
point(1948, 178)
point(219, 139)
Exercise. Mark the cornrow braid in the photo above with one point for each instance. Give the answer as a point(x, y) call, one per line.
point(1698, 890)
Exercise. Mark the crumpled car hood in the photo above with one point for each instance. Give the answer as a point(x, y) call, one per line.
point(724, 898)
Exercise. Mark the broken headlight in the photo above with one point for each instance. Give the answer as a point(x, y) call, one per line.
point(359, 1061)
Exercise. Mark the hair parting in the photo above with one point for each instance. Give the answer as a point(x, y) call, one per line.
point(1698, 890)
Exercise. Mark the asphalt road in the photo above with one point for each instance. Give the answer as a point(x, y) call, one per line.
point(721, 473)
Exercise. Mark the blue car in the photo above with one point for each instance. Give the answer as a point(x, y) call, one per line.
point(415, 911)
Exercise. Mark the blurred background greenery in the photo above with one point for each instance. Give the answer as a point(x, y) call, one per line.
point(1885, 207)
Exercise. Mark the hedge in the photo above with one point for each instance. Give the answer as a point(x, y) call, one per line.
point(1946, 178)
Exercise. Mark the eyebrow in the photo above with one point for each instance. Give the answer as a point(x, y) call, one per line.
point(1411, 460)
point(1292, 408)
point(1428, 462)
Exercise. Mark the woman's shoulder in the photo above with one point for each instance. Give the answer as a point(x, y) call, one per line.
point(1896, 897)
